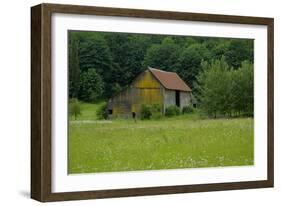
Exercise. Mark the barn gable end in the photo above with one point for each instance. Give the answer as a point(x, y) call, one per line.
point(146, 90)
point(146, 80)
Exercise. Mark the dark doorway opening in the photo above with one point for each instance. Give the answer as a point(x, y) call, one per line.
point(178, 98)
point(110, 111)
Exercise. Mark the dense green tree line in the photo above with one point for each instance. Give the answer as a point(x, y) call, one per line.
point(102, 63)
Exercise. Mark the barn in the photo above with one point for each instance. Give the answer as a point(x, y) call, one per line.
point(153, 86)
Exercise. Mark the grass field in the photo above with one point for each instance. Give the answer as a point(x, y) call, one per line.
point(88, 111)
point(185, 141)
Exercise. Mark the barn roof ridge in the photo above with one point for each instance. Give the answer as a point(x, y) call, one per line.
point(170, 80)
point(151, 68)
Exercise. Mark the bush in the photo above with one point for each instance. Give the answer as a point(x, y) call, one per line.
point(172, 110)
point(74, 108)
point(145, 112)
point(156, 111)
point(102, 111)
point(188, 109)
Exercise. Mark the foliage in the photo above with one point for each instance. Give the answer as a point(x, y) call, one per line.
point(119, 57)
point(116, 88)
point(218, 50)
point(187, 109)
point(156, 111)
point(190, 62)
point(102, 111)
point(74, 68)
point(92, 86)
point(74, 108)
point(164, 55)
point(150, 111)
point(214, 88)
point(94, 52)
point(172, 110)
point(128, 52)
point(243, 89)
point(145, 112)
point(239, 51)
point(224, 91)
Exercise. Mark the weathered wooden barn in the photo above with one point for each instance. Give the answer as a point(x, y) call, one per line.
point(153, 86)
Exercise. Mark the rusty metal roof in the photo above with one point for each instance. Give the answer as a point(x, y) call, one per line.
point(170, 80)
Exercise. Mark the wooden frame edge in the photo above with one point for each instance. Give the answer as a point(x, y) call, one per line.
point(36, 58)
point(270, 102)
point(101, 194)
point(157, 14)
point(41, 101)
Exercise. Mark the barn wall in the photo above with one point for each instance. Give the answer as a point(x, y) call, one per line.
point(170, 98)
point(146, 80)
point(185, 98)
point(146, 96)
point(144, 90)
point(121, 104)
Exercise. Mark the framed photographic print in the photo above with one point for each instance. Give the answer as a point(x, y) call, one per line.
point(130, 102)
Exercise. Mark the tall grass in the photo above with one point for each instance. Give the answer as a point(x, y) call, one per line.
point(184, 141)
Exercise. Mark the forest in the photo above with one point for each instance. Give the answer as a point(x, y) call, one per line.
point(219, 70)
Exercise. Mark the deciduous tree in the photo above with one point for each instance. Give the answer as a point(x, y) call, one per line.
point(92, 86)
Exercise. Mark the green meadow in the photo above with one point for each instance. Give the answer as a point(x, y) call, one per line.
point(185, 141)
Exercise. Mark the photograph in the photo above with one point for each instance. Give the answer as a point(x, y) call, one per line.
point(132, 102)
point(140, 102)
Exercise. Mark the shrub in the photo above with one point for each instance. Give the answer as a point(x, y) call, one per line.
point(187, 109)
point(156, 111)
point(172, 110)
point(102, 111)
point(145, 112)
point(74, 108)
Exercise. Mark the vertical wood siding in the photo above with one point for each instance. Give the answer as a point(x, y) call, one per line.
point(169, 98)
point(185, 99)
point(144, 90)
